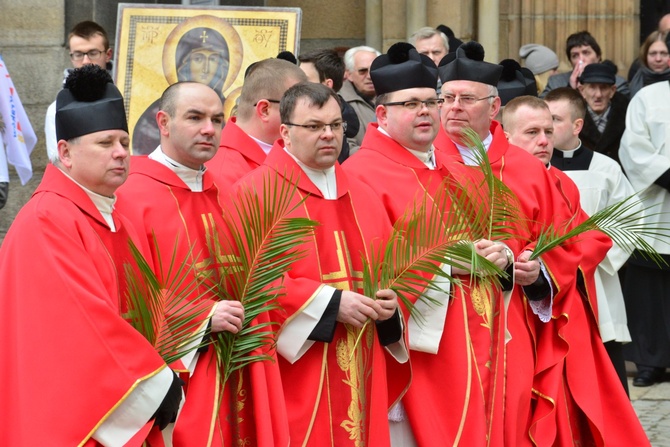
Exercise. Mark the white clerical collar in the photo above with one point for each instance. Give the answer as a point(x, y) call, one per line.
point(324, 179)
point(468, 154)
point(571, 153)
point(192, 177)
point(264, 146)
point(426, 157)
point(104, 204)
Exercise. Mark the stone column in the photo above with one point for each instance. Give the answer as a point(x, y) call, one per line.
point(488, 28)
point(373, 24)
point(416, 15)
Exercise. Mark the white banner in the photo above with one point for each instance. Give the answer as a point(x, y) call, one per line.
point(18, 134)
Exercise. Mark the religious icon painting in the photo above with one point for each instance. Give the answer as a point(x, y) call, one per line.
point(158, 45)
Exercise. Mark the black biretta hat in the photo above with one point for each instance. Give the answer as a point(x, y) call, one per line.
point(468, 65)
point(515, 81)
point(89, 103)
point(402, 67)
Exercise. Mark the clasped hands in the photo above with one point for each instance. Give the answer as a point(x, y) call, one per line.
point(355, 309)
point(526, 271)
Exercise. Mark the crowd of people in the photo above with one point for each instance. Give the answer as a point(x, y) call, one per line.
point(535, 357)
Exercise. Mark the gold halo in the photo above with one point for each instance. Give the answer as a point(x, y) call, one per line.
point(204, 21)
point(230, 103)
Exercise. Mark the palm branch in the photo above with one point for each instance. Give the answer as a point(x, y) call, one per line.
point(266, 241)
point(428, 236)
point(469, 205)
point(162, 311)
point(490, 206)
point(622, 222)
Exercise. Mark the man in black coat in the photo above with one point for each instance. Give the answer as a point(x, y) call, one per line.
point(605, 118)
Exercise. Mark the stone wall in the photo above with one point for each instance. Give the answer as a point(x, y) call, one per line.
point(31, 44)
point(33, 34)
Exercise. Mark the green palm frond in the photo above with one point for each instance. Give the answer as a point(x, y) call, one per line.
point(163, 311)
point(428, 236)
point(266, 241)
point(470, 205)
point(622, 222)
point(490, 206)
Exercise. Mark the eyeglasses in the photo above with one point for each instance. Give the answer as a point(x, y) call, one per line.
point(337, 126)
point(275, 101)
point(92, 55)
point(466, 100)
point(414, 104)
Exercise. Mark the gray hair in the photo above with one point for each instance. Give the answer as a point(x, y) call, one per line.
point(426, 33)
point(351, 52)
point(493, 91)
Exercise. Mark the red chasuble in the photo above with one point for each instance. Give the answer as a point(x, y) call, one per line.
point(238, 154)
point(542, 205)
point(69, 358)
point(335, 395)
point(158, 202)
point(456, 393)
point(588, 405)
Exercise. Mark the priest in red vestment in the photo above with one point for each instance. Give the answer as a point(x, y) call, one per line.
point(171, 196)
point(471, 101)
point(74, 371)
point(459, 337)
point(248, 136)
point(588, 405)
point(335, 387)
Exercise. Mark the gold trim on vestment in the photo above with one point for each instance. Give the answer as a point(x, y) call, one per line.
point(125, 396)
point(324, 365)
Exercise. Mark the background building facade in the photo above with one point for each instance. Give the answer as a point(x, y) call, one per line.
point(33, 35)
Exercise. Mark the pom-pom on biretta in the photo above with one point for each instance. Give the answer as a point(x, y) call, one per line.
point(399, 52)
point(402, 67)
point(515, 81)
point(89, 83)
point(510, 67)
point(474, 50)
point(288, 56)
point(89, 103)
point(469, 65)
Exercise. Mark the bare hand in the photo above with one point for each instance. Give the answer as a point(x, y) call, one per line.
point(525, 271)
point(355, 309)
point(228, 316)
point(388, 301)
point(576, 73)
point(492, 251)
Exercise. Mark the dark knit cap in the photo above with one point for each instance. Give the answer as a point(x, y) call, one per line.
point(402, 67)
point(468, 65)
point(89, 103)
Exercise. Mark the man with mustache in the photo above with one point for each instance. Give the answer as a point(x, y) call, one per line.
point(605, 118)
